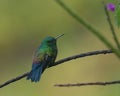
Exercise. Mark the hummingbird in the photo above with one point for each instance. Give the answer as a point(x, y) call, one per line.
point(43, 57)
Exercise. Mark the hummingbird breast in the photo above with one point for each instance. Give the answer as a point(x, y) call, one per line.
point(52, 50)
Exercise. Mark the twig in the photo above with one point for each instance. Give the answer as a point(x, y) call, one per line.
point(59, 62)
point(14, 79)
point(111, 26)
point(88, 84)
point(97, 33)
point(81, 56)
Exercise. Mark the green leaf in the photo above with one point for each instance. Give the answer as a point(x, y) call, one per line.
point(117, 15)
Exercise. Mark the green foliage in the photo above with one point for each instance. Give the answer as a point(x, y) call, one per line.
point(117, 15)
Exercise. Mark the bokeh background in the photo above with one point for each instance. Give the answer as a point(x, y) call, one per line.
point(24, 23)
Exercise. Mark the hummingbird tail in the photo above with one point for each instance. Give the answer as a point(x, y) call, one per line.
point(35, 73)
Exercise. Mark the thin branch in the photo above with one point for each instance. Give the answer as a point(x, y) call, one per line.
point(88, 84)
point(59, 62)
point(91, 28)
point(111, 26)
point(81, 56)
point(14, 79)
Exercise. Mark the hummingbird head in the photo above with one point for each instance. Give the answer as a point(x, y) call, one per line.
point(51, 40)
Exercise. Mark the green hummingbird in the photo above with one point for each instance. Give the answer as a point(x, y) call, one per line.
point(43, 57)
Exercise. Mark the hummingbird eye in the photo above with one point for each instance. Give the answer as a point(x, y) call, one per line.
point(49, 41)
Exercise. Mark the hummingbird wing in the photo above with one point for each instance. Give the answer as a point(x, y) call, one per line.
point(40, 61)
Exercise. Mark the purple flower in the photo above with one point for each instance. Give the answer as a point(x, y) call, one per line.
point(110, 7)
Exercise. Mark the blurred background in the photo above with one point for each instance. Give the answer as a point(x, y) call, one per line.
point(24, 23)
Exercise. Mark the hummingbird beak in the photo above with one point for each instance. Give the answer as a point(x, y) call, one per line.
point(59, 36)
